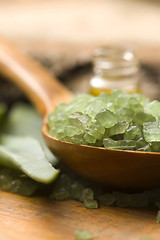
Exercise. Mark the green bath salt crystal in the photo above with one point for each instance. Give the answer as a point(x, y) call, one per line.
point(86, 194)
point(132, 132)
point(119, 128)
point(62, 186)
point(59, 113)
point(79, 120)
point(120, 98)
point(151, 131)
point(141, 117)
point(78, 104)
point(60, 194)
point(153, 108)
point(115, 121)
point(94, 132)
point(23, 186)
point(121, 144)
point(155, 146)
point(94, 106)
point(122, 200)
point(78, 139)
point(89, 138)
point(90, 203)
point(124, 114)
point(75, 190)
point(106, 118)
point(14, 181)
point(135, 105)
point(107, 199)
point(83, 235)
point(6, 179)
point(138, 200)
point(70, 131)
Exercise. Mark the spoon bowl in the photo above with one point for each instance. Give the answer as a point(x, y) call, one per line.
point(120, 169)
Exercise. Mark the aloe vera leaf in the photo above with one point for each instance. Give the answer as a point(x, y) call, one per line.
point(27, 155)
point(24, 120)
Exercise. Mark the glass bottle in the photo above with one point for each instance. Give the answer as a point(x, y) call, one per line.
point(114, 68)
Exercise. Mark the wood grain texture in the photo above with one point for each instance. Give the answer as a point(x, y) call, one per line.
point(43, 90)
point(35, 218)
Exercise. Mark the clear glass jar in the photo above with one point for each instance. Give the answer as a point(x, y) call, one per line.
point(114, 68)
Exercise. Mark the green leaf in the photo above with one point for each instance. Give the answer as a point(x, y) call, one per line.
point(27, 155)
point(24, 120)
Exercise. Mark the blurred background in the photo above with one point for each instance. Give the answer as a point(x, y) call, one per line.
point(80, 22)
point(63, 33)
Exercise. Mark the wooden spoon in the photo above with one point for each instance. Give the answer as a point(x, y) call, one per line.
point(115, 168)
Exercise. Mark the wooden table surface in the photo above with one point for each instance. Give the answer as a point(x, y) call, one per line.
point(34, 218)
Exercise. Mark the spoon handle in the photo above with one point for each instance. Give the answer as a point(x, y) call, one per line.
point(43, 90)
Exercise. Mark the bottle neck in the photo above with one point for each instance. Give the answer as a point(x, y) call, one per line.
point(117, 63)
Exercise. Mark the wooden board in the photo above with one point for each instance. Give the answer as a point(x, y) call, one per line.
point(34, 218)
